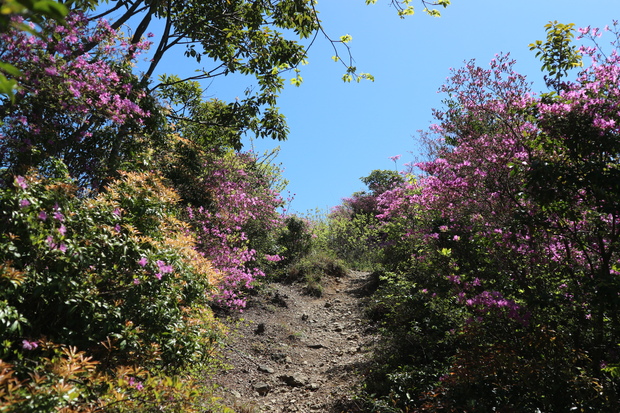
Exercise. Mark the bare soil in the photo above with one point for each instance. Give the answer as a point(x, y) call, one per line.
point(292, 352)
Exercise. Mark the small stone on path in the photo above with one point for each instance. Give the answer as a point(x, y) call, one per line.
point(266, 369)
point(262, 388)
point(294, 380)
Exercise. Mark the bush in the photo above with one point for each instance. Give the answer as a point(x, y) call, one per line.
point(354, 239)
point(105, 282)
point(295, 239)
point(313, 269)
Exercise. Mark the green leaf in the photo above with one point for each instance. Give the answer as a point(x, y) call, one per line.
point(433, 12)
point(446, 252)
point(10, 69)
point(346, 38)
point(366, 76)
point(297, 81)
point(50, 8)
point(8, 87)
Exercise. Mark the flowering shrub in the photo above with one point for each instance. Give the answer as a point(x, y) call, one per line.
point(76, 102)
point(236, 225)
point(512, 232)
point(353, 232)
point(64, 379)
point(116, 276)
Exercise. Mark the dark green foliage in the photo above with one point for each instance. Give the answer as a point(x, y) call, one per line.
point(295, 240)
point(418, 328)
point(117, 269)
point(381, 180)
point(208, 124)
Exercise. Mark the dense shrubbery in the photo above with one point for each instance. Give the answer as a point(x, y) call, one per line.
point(500, 289)
point(127, 212)
point(112, 282)
point(295, 239)
point(120, 229)
point(352, 231)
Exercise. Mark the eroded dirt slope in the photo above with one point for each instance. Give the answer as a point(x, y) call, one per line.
point(291, 352)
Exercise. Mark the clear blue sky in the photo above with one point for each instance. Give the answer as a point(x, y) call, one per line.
point(340, 132)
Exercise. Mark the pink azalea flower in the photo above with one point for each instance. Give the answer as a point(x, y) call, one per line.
point(20, 181)
point(29, 345)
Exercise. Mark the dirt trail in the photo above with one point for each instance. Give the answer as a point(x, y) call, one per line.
point(296, 353)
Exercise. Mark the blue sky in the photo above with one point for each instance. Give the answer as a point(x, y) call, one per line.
point(340, 131)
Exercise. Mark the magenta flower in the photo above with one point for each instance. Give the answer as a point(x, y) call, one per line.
point(29, 345)
point(42, 216)
point(143, 261)
point(20, 181)
point(394, 158)
point(135, 383)
point(24, 203)
point(62, 230)
point(163, 268)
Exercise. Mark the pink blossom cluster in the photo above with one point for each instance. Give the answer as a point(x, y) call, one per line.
point(467, 180)
point(71, 91)
point(494, 301)
point(241, 202)
point(480, 184)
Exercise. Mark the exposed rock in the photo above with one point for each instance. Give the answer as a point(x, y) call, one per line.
point(262, 388)
point(280, 299)
point(313, 386)
point(266, 369)
point(294, 380)
point(235, 393)
point(281, 357)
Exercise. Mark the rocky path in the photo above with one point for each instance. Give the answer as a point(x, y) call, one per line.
point(291, 352)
